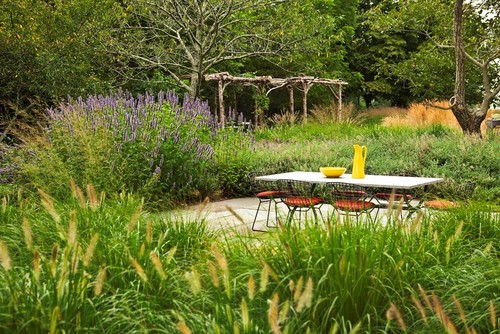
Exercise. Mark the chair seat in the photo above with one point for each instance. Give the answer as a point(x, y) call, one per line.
point(268, 194)
point(442, 204)
point(397, 197)
point(303, 201)
point(353, 205)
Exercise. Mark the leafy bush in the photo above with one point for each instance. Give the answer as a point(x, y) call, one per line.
point(157, 148)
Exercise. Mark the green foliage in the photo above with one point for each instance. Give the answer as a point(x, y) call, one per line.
point(155, 148)
point(105, 265)
point(434, 151)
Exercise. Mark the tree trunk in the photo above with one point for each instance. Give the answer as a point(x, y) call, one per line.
point(469, 121)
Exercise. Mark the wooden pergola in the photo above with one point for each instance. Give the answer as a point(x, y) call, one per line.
point(266, 84)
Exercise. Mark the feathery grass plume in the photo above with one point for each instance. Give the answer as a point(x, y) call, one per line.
point(28, 233)
point(420, 308)
point(236, 327)
point(213, 274)
point(62, 283)
point(99, 281)
point(53, 259)
point(89, 252)
point(493, 315)
point(229, 313)
point(235, 214)
point(264, 278)
point(451, 240)
point(75, 258)
point(36, 265)
point(285, 308)
point(72, 229)
point(459, 230)
point(170, 254)
point(157, 264)
point(393, 313)
point(92, 196)
point(78, 194)
point(201, 207)
point(390, 205)
point(441, 314)
point(72, 186)
point(54, 319)
point(273, 314)
point(298, 288)
point(305, 299)
point(48, 204)
point(183, 328)
point(342, 264)
point(4, 205)
point(149, 232)
point(488, 248)
point(245, 317)
point(222, 262)
point(461, 313)
point(251, 287)
point(270, 270)
point(4, 256)
point(139, 270)
point(142, 249)
point(425, 297)
point(134, 219)
point(416, 226)
point(193, 278)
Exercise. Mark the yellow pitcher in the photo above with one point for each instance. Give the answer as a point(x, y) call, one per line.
point(358, 163)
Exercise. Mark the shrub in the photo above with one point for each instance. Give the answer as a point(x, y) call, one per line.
point(158, 147)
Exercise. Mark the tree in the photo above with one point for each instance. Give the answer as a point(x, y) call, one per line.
point(47, 51)
point(470, 117)
point(185, 39)
point(374, 52)
point(472, 32)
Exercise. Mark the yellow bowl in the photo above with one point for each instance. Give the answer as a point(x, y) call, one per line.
point(332, 171)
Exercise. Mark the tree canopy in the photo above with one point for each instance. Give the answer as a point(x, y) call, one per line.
point(387, 50)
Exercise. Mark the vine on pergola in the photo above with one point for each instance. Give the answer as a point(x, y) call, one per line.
point(266, 84)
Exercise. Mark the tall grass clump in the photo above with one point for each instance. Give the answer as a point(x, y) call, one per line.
point(155, 146)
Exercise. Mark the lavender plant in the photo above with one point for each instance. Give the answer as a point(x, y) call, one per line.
point(155, 146)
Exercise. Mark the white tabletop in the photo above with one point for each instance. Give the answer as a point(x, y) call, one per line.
point(377, 181)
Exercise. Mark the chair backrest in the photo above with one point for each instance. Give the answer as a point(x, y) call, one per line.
point(297, 188)
point(347, 191)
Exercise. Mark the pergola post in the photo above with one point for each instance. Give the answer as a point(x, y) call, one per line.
point(222, 115)
point(292, 102)
point(339, 107)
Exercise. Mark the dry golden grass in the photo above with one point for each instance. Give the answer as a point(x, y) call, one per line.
point(420, 115)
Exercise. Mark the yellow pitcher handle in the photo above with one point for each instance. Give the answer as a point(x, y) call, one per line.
point(364, 152)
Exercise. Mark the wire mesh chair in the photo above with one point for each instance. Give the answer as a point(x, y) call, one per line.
point(350, 199)
point(301, 198)
point(400, 201)
point(462, 193)
point(268, 194)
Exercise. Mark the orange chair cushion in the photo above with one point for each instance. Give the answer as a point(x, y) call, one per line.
point(440, 204)
point(397, 197)
point(303, 201)
point(271, 194)
point(353, 205)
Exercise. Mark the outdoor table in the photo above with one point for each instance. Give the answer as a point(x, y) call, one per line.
point(402, 184)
